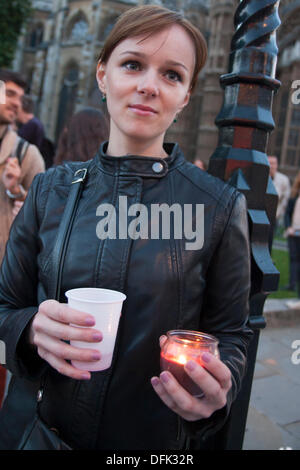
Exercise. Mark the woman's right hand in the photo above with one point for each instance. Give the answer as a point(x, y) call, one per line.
point(51, 325)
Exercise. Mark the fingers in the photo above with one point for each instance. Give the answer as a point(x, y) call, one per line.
point(50, 329)
point(68, 333)
point(12, 161)
point(16, 207)
point(217, 370)
point(65, 314)
point(15, 211)
point(65, 351)
point(162, 340)
point(62, 366)
point(12, 166)
point(53, 319)
point(214, 380)
point(177, 398)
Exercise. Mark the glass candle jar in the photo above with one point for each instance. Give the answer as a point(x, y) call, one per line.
point(182, 346)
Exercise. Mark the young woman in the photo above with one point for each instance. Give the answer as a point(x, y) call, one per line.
point(147, 71)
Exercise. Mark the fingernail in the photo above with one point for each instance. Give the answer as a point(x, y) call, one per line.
point(164, 377)
point(96, 356)
point(89, 321)
point(85, 376)
point(154, 381)
point(97, 337)
point(190, 365)
point(206, 357)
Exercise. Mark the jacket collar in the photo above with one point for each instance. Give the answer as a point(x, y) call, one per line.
point(136, 165)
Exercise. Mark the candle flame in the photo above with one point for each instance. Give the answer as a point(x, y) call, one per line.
point(182, 359)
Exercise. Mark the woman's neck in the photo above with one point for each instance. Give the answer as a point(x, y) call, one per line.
point(122, 146)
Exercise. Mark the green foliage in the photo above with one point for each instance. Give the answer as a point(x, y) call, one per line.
point(13, 15)
point(281, 260)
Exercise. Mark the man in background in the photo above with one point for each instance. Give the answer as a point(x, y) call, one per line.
point(282, 186)
point(19, 163)
point(31, 128)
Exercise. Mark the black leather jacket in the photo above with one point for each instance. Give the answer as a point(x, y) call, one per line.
point(167, 287)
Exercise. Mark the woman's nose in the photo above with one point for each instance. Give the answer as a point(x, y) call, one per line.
point(148, 85)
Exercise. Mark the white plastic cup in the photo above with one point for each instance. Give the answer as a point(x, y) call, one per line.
point(105, 305)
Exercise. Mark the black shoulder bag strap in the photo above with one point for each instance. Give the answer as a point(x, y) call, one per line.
point(21, 150)
point(37, 435)
point(64, 231)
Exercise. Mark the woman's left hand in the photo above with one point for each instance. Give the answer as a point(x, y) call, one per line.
point(214, 380)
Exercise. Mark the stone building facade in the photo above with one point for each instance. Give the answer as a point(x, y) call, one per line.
point(285, 140)
point(58, 54)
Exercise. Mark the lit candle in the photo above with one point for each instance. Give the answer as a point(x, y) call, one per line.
point(182, 346)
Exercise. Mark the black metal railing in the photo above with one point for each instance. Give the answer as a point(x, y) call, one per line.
point(245, 122)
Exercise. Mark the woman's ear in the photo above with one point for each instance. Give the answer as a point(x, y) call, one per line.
point(186, 100)
point(100, 76)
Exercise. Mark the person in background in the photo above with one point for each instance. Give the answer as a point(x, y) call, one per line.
point(292, 225)
point(81, 138)
point(19, 163)
point(31, 128)
point(199, 163)
point(282, 186)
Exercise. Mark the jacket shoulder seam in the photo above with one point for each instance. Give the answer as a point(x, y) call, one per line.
point(219, 198)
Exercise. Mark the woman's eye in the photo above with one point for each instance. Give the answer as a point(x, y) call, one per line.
point(131, 65)
point(174, 76)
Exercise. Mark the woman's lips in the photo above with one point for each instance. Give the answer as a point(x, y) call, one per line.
point(142, 110)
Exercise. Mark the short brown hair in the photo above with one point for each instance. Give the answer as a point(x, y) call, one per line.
point(150, 19)
point(14, 77)
point(27, 104)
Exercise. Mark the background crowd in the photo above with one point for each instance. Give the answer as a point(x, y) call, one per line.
point(26, 151)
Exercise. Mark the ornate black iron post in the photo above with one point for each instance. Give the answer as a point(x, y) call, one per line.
point(245, 122)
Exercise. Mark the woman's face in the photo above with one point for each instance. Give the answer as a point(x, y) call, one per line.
point(147, 82)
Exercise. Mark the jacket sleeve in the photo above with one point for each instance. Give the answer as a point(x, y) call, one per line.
point(18, 289)
point(226, 306)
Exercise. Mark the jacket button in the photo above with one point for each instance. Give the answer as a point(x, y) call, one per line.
point(157, 167)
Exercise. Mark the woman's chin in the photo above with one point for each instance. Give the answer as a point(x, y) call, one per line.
point(144, 132)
